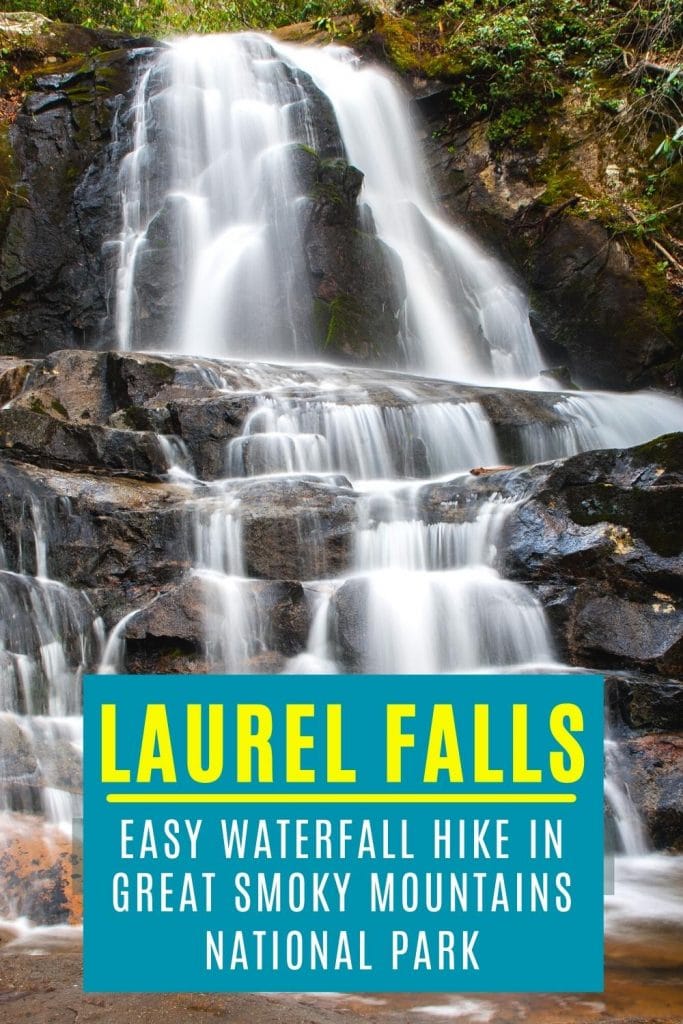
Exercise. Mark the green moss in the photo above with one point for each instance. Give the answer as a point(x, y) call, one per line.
point(59, 408)
point(135, 418)
point(344, 322)
point(327, 192)
point(661, 302)
point(562, 180)
point(35, 405)
point(662, 449)
point(161, 371)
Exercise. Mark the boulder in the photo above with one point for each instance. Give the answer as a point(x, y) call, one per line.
point(655, 777)
point(299, 529)
point(348, 612)
point(37, 436)
point(644, 702)
point(599, 540)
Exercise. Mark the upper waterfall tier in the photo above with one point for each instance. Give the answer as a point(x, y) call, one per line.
point(243, 233)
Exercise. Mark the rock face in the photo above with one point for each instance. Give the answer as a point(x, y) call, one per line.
point(88, 497)
point(61, 162)
point(590, 305)
point(356, 280)
point(655, 769)
point(599, 540)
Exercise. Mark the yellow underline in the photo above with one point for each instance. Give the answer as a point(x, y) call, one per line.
point(341, 798)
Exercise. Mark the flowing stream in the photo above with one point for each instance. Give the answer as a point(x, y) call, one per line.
point(219, 125)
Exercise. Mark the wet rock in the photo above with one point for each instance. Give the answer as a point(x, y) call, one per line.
point(644, 702)
point(176, 615)
point(298, 529)
point(60, 760)
point(13, 374)
point(591, 307)
point(317, 111)
point(44, 439)
point(17, 758)
point(104, 535)
point(348, 611)
point(62, 195)
point(207, 423)
point(655, 777)
point(608, 630)
point(285, 612)
point(357, 281)
point(40, 873)
point(159, 278)
point(598, 538)
point(177, 630)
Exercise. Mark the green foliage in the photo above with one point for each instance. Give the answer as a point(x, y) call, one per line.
point(670, 148)
point(511, 60)
point(166, 16)
point(519, 56)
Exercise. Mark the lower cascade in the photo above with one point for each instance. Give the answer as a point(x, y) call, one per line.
point(428, 501)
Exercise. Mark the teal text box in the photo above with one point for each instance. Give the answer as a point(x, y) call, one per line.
point(369, 885)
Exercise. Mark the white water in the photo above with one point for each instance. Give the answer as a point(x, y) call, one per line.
point(213, 170)
point(361, 439)
point(49, 636)
point(465, 317)
point(234, 110)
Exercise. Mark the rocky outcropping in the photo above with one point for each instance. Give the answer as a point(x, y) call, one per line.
point(61, 157)
point(595, 306)
point(87, 440)
point(61, 213)
point(357, 280)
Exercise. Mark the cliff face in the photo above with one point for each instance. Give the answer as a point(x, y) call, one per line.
point(604, 303)
point(62, 143)
point(540, 129)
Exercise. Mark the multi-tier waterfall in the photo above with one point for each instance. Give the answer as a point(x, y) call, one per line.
point(213, 212)
point(220, 123)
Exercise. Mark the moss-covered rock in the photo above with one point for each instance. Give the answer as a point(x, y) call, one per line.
point(356, 280)
point(540, 142)
point(59, 159)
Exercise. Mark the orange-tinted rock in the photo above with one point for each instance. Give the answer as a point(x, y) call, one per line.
point(40, 872)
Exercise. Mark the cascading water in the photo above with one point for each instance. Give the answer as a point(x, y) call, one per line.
point(219, 126)
point(235, 111)
point(211, 189)
point(465, 317)
point(49, 635)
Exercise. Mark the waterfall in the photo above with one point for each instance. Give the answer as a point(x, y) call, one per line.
point(465, 316)
point(214, 183)
point(630, 833)
point(235, 112)
point(212, 262)
point(432, 598)
point(49, 636)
